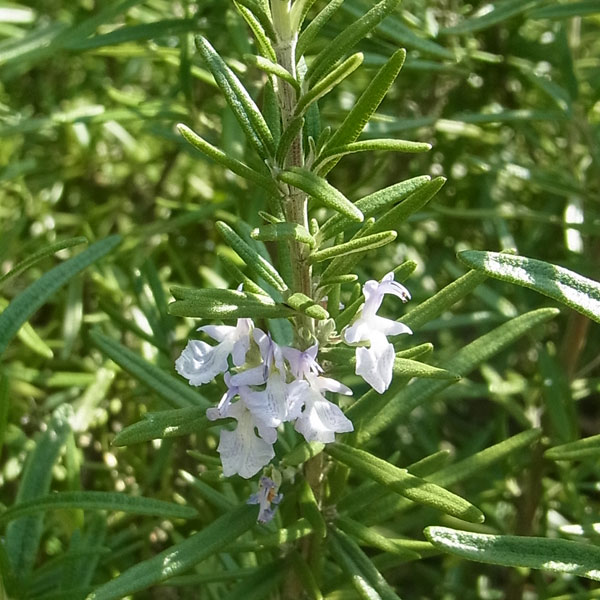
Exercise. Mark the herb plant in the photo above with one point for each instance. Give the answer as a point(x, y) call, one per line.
point(323, 420)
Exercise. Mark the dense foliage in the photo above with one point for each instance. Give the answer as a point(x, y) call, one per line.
point(484, 448)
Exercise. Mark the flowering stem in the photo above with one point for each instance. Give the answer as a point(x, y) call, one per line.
point(296, 202)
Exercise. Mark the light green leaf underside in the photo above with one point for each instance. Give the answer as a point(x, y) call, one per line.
point(556, 555)
point(570, 288)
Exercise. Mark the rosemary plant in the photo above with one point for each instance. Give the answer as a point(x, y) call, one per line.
point(298, 376)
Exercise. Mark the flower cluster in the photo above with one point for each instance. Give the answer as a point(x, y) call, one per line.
point(270, 384)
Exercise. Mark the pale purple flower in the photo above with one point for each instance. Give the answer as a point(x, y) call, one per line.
point(241, 450)
point(200, 362)
point(223, 409)
point(279, 401)
point(320, 419)
point(302, 363)
point(265, 497)
point(375, 364)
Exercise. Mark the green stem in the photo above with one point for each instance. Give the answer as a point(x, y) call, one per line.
point(296, 202)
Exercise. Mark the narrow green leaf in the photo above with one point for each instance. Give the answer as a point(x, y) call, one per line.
point(229, 162)
point(401, 36)
point(325, 85)
point(133, 33)
point(291, 132)
point(301, 528)
point(255, 262)
point(547, 554)
point(483, 460)
point(224, 304)
point(394, 217)
point(374, 145)
point(39, 255)
point(301, 453)
point(403, 367)
point(309, 508)
point(363, 244)
point(88, 26)
point(260, 15)
point(433, 307)
point(329, 56)
point(298, 13)
point(308, 306)
point(261, 584)
point(313, 28)
point(172, 390)
point(29, 337)
point(402, 402)
point(249, 284)
point(164, 424)
point(581, 449)
point(565, 11)
point(208, 493)
point(570, 288)
point(349, 278)
point(272, 68)
point(319, 189)
point(282, 232)
point(306, 575)
point(4, 406)
point(366, 579)
point(39, 292)
point(370, 537)
point(180, 557)
point(366, 105)
point(98, 501)
point(403, 483)
point(500, 12)
point(262, 41)
point(449, 475)
point(373, 204)
point(241, 103)
point(23, 535)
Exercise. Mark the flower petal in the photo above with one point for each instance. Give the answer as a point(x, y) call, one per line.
point(241, 450)
point(200, 363)
point(321, 420)
point(375, 365)
point(217, 332)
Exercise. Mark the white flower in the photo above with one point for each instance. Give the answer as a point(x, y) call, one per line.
point(200, 362)
point(279, 401)
point(320, 419)
point(376, 363)
point(241, 450)
point(223, 410)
